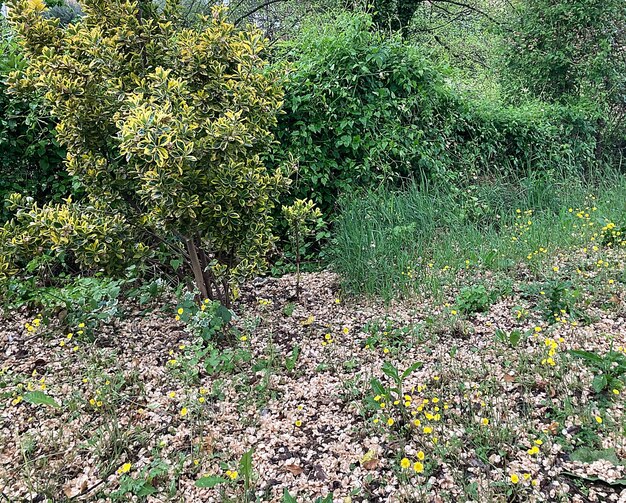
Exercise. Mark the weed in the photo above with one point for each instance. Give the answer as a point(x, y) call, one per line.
point(474, 299)
point(609, 369)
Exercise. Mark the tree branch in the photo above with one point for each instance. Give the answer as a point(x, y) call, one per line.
point(256, 9)
point(470, 7)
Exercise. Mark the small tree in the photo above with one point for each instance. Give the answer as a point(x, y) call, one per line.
point(303, 219)
point(163, 126)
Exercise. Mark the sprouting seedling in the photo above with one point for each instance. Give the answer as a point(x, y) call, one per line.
point(303, 218)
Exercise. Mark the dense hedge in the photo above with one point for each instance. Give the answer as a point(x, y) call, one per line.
point(362, 108)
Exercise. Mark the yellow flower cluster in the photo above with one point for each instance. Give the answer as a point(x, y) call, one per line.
point(418, 466)
point(552, 345)
point(515, 478)
point(424, 411)
point(33, 325)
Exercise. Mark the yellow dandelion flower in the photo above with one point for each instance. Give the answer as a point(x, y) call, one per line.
point(125, 468)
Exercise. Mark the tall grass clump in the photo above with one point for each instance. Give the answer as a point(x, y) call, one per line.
point(394, 243)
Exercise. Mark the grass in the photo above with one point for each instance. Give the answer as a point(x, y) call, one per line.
point(397, 243)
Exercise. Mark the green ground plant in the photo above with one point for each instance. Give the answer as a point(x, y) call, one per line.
point(610, 369)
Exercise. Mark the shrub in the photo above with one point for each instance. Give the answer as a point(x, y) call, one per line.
point(30, 157)
point(64, 236)
point(569, 49)
point(364, 109)
point(163, 127)
point(350, 99)
point(573, 50)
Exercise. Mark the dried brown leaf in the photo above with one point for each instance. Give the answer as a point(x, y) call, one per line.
point(75, 486)
point(372, 464)
point(293, 469)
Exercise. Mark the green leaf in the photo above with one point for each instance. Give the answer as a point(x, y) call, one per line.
point(210, 481)
point(587, 356)
point(327, 499)
point(245, 465)
point(587, 455)
point(515, 337)
point(390, 370)
point(377, 387)
point(411, 369)
point(146, 490)
point(599, 383)
point(593, 478)
point(224, 313)
point(40, 398)
point(500, 335)
point(288, 498)
point(290, 361)
point(176, 263)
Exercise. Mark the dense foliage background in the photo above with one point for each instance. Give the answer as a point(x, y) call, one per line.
point(449, 94)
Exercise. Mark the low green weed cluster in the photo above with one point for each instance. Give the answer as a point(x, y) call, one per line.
point(206, 320)
point(609, 369)
point(474, 299)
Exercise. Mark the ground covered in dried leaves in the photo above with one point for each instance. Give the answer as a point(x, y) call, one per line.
point(470, 396)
